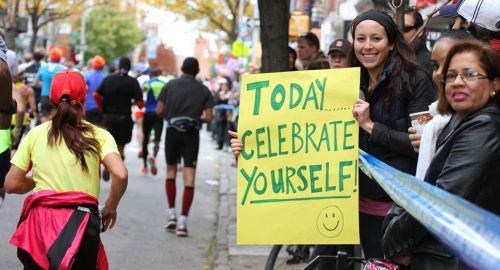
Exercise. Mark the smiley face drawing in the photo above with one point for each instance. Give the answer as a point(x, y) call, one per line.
point(330, 221)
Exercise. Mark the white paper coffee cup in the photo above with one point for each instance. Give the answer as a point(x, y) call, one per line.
point(419, 119)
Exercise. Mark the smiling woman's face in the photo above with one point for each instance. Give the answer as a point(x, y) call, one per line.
point(466, 97)
point(371, 45)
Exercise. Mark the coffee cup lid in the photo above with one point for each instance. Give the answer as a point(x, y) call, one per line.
point(419, 113)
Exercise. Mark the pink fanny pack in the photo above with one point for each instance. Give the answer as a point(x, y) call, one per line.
point(378, 264)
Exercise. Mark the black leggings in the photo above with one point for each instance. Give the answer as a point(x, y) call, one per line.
point(151, 122)
point(370, 230)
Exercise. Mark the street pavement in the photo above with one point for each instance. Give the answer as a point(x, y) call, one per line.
point(139, 240)
point(230, 255)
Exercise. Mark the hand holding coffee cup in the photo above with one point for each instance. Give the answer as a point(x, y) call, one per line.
point(414, 139)
point(419, 119)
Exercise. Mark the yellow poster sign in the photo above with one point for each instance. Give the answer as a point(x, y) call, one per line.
point(297, 175)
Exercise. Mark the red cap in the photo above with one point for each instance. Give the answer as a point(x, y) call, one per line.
point(55, 54)
point(69, 83)
point(98, 62)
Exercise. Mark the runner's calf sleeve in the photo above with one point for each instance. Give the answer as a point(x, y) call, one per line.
point(187, 199)
point(170, 192)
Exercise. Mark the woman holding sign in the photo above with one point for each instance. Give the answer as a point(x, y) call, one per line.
point(466, 161)
point(394, 87)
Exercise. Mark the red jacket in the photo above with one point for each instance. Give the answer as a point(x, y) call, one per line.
point(44, 215)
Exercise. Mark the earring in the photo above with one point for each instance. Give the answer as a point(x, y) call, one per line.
point(493, 94)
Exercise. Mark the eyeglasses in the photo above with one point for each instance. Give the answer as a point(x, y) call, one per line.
point(408, 28)
point(470, 76)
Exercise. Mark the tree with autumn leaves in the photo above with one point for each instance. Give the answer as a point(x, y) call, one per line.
point(223, 15)
point(41, 13)
point(219, 15)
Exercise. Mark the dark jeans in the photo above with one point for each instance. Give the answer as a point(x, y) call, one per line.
point(221, 133)
point(370, 229)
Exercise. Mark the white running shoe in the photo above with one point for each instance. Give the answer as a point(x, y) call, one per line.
point(171, 220)
point(182, 227)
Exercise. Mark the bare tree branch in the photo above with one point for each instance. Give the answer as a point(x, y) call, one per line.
point(53, 18)
point(60, 15)
point(427, 20)
point(231, 8)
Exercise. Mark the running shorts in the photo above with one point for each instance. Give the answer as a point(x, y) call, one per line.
point(94, 116)
point(182, 144)
point(120, 126)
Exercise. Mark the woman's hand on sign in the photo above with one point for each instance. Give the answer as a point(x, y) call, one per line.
point(361, 111)
point(236, 144)
point(414, 138)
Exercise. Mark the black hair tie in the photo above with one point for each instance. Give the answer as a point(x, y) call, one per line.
point(65, 98)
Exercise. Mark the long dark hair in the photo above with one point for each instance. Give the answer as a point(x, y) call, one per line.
point(402, 79)
point(79, 136)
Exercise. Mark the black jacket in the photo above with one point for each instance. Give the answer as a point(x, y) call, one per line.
point(423, 56)
point(389, 140)
point(466, 164)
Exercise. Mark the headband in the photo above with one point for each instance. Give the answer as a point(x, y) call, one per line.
point(375, 15)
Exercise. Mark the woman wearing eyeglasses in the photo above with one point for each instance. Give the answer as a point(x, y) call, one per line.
point(433, 128)
point(466, 161)
point(59, 225)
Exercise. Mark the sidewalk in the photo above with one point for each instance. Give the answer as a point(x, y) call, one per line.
point(229, 255)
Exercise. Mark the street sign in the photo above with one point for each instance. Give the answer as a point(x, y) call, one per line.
point(298, 24)
point(82, 47)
